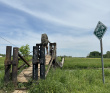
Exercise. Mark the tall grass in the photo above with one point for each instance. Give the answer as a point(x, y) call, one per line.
point(75, 77)
point(81, 63)
point(73, 81)
point(2, 63)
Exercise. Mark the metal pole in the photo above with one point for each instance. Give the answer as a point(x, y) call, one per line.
point(102, 61)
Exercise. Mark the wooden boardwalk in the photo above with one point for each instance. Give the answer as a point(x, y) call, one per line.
point(26, 74)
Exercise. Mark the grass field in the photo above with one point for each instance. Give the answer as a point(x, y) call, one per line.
point(82, 63)
point(78, 75)
point(73, 81)
point(2, 63)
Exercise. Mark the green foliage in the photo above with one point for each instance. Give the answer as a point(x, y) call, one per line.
point(3, 55)
point(77, 76)
point(84, 63)
point(52, 84)
point(5, 87)
point(94, 54)
point(107, 55)
point(2, 59)
point(1, 79)
point(72, 81)
point(24, 51)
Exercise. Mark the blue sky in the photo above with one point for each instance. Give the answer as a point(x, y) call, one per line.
point(69, 23)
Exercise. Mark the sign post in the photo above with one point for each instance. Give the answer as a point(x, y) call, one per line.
point(99, 32)
point(102, 60)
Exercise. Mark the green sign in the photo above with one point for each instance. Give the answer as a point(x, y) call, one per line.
point(100, 30)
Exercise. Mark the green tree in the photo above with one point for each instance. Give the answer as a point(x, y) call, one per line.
point(107, 54)
point(24, 50)
point(94, 54)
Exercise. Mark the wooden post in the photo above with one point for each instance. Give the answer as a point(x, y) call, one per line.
point(55, 52)
point(15, 65)
point(50, 48)
point(7, 63)
point(35, 63)
point(42, 62)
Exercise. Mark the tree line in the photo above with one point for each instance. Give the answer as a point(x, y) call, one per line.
point(96, 54)
point(3, 55)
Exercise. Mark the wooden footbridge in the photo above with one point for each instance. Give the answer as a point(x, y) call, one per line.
point(26, 74)
point(36, 69)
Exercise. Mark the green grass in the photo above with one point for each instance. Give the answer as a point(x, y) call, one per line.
point(73, 81)
point(77, 76)
point(2, 63)
point(74, 63)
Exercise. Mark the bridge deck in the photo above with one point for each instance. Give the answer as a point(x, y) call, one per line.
point(26, 74)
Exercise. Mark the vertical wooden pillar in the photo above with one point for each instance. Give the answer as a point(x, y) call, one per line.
point(42, 62)
point(50, 48)
point(7, 63)
point(55, 52)
point(15, 65)
point(35, 62)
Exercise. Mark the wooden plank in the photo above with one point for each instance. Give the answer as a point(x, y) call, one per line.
point(62, 62)
point(26, 74)
point(21, 90)
point(49, 67)
point(47, 59)
point(7, 63)
point(23, 59)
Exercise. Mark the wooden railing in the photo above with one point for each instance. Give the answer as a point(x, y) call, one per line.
point(14, 63)
point(39, 58)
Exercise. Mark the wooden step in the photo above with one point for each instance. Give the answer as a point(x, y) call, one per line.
point(25, 75)
point(20, 91)
point(47, 59)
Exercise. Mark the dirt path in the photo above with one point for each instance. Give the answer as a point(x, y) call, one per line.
point(26, 74)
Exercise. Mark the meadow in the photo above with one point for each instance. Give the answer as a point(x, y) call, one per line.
point(85, 63)
point(2, 63)
point(78, 75)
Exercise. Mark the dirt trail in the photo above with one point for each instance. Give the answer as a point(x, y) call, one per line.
point(26, 74)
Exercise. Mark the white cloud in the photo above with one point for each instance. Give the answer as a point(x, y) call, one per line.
point(66, 44)
point(73, 13)
point(62, 20)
